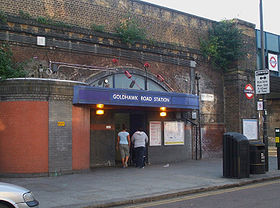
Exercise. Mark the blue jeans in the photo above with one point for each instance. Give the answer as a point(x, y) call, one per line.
point(139, 156)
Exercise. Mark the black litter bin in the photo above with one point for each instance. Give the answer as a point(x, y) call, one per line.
point(257, 157)
point(235, 155)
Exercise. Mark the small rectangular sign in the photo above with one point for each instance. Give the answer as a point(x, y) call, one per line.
point(260, 106)
point(207, 97)
point(61, 123)
point(41, 41)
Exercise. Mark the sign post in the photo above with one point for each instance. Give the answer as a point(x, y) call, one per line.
point(262, 82)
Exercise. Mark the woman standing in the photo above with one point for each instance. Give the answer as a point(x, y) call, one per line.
point(123, 143)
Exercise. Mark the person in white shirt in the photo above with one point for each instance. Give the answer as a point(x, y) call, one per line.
point(139, 139)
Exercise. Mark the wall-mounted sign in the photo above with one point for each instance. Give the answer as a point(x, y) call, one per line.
point(155, 133)
point(249, 91)
point(207, 97)
point(173, 133)
point(61, 123)
point(128, 97)
point(260, 105)
point(250, 128)
point(262, 81)
point(273, 62)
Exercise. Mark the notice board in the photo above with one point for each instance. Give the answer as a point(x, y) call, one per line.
point(250, 128)
point(174, 133)
point(155, 133)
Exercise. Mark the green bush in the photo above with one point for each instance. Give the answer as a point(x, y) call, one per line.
point(130, 32)
point(3, 17)
point(98, 28)
point(42, 20)
point(8, 68)
point(48, 21)
point(24, 15)
point(225, 44)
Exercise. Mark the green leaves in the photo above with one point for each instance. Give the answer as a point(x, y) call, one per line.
point(8, 68)
point(224, 45)
point(98, 28)
point(3, 17)
point(130, 32)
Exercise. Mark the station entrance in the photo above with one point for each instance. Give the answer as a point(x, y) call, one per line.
point(104, 134)
point(131, 121)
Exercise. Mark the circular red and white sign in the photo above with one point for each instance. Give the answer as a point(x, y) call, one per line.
point(273, 62)
point(249, 91)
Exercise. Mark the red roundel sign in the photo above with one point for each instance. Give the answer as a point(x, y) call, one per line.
point(273, 62)
point(249, 91)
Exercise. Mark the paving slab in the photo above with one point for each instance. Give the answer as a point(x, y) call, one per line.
point(106, 187)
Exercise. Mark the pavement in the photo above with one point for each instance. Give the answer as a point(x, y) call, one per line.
point(111, 186)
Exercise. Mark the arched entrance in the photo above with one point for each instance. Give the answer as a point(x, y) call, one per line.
point(102, 151)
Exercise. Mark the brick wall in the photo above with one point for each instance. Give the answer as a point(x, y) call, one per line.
point(273, 117)
point(80, 45)
point(237, 106)
point(161, 24)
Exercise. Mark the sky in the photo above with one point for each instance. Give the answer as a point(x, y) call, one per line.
point(218, 10)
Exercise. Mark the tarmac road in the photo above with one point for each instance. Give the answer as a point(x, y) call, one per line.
point(259, 195)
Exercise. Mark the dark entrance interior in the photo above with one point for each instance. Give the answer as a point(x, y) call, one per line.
point(132, 120)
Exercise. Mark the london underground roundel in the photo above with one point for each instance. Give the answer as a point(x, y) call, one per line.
point(249, 91)
point(273, 62)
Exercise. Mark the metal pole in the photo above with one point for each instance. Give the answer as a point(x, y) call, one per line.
point(265, 139)
point(146, 79)
point(197, 77)
point(262, 37)
point(278, 158)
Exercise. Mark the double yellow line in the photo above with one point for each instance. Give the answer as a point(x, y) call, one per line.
point(205, 194)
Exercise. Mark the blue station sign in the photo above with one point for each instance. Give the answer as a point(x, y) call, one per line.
point(126, 97)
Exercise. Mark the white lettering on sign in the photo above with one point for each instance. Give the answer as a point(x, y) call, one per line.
point(262, 81)
point(141, 98)
point(161, 99)
point(124, 97)
point(146, 98)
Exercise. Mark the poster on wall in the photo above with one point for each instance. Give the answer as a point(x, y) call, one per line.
point(173, 133)
point(250, 128)
point(155, 133)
